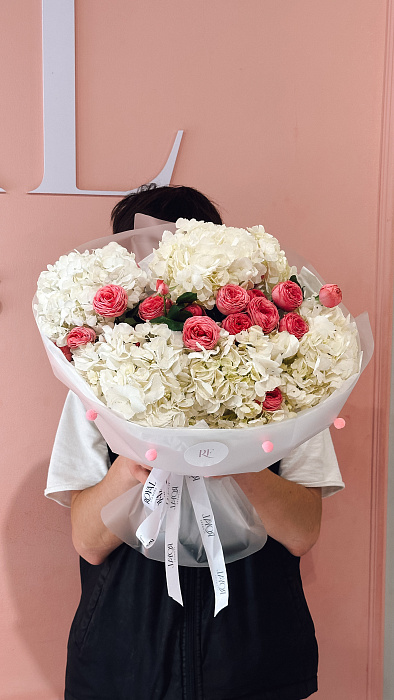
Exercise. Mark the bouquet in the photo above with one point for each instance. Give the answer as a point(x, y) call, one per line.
point(210, 344)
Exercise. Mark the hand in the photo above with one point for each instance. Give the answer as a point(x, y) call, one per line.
point(138, 471)
point(92, 540)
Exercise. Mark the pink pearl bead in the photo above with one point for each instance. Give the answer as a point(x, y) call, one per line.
point(151, 455)
point(267, 446)
point(339, 423)
point(91, 414)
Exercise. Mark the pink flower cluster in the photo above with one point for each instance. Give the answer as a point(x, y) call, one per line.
point(153, 306)
point(241, 307)
point(246, 308)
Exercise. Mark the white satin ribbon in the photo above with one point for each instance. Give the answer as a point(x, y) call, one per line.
point(210, 538)
point(173, 505)
point(153, 490)
point(153, 497)
point(162, 494)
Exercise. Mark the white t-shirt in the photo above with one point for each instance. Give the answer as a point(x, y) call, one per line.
point(80, 458)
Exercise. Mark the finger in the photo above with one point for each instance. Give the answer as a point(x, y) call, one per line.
point(141, 473)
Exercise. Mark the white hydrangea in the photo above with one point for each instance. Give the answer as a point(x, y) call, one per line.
point(278, 269)
point(146, 375)
point(328, 355)
point(202, 257)
point(65, 291)
point(139, 373)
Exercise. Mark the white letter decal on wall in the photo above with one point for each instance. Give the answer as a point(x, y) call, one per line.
point(58, 45)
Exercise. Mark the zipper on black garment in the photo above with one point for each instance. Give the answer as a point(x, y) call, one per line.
point(192, 671)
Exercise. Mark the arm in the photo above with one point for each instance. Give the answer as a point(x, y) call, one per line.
point(91, 539)
point(291, 513)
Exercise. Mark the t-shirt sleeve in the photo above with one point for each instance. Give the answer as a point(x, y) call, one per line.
point(80, 455)
point(314, 463)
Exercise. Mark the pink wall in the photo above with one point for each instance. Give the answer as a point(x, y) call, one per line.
point(281, 103)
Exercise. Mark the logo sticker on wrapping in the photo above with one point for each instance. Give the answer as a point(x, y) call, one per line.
point(204, 454)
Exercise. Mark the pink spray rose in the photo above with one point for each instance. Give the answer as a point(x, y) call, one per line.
point(66, 352)
point(294, 324)
point(263, 313)
point(255, 293)
point(110, 301)
point(231, 299)
point(202, 330)
point(152, 307)
point(287, 295)
point(80, 335)
point(330, 295)
point(162, 288)
point(273, 400)
point(235, 323)
point(195, 309)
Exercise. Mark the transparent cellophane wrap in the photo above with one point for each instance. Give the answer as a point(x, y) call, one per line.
point(182, 451)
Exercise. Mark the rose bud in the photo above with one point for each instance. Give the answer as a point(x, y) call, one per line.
point(161, 288)
point(294, 324)
point(287, 295)
point(263, 313)
point(330, 295)
point(80, 335)
point(110, 301)
point(195, 309)
point(152, 307)
point(66, 352)
point(255, 293)
point(231, 299)
point(235, 323)
point(202, 330)
point(273, 400)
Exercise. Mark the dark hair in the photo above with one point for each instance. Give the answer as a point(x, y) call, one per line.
point(169, 203)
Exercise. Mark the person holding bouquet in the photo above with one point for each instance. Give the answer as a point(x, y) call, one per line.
point(129, 639)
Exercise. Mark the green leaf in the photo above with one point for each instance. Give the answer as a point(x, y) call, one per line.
point(177, 313)
point(293, 278)
point(174, 325)
point(187, 298)
point(171, 323)
point(173, 311)
point(183, 315)
point(128, 315)
point(159, 319)
point(215, 314)
point(126, 319)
